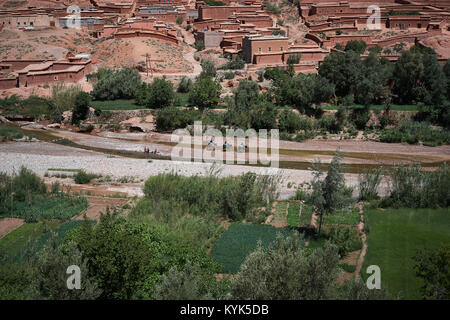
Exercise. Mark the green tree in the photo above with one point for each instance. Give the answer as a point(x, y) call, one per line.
point(63, 98)
point(408, 72)
point(358, 46)
point(115, 84)
point(287, 271)
point(81, 107)
point(329, 194)
point(246, 94)
point(342, 70)
point(189, 283)
point(208, 68)
point(185, 85)
point(50, 279)
point(433, 267)
point(205, 92)
point(158, 94)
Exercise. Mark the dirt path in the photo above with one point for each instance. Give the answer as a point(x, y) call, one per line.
point(364, 241)
point(9, 224)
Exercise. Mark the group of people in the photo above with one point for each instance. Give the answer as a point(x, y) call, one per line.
point(147, 150)
point(242, 147)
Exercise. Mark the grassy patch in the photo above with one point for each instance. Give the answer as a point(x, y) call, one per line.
point(120, 104)
point(293, 217)
point(8, 133)
point(305, 218)
point(394, 237)
point(181, 99)
point(239, 240)
point(15, 244)
point(58, 207)
point(343, 217)
point(348, 268)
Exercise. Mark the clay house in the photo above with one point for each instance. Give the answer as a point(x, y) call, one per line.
point(409, 21)
point(264, 49)
point(21, 21)
point(162, 13)
point(35, 72)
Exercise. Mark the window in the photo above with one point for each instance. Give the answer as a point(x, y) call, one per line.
point(270, 49)
point(24, 23)
point(55, 78)
point(70, 76)
point(259, 49)
point(281, 48)
point(31, 24)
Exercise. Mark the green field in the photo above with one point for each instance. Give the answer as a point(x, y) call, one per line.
point(394, 237)
point(293, 217)
point(15, 244)
point(120, 104)
point(305, 218)
point(378, 107)
point(58, 207)
point(345, 217)
point(239, 240)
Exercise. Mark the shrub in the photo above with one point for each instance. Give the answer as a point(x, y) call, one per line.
point(81, 107)
point(172, 118)
point(185, 85)
point(179, 20)
point(294, 58)
point(234, 64)
point(199, 45)
point(228, 75)
point(83, 178)
point(368, 184)
point(413, 188)
point(112, 84)
point(344, 238)
point(158, 94)
point(9, 133)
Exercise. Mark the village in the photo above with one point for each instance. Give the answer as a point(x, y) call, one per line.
point(244, 28)
point(232, 135)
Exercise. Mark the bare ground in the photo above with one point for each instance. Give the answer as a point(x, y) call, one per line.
point(9, 224)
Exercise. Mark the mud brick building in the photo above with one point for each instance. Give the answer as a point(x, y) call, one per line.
point(24, 73)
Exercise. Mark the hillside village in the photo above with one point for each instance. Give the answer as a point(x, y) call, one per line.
point(173, 149)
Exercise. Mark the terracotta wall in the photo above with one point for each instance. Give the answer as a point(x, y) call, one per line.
point(8, 83)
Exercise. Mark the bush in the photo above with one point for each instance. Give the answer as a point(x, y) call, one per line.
point(185, 85)
point(199, 45)
point(344, 238)
point(81, 107)
point(413, 188)
point(233, 197)
point(172, 118)
point(228, 75)
point(368, 184)
point(179, 20)
point(83, 178)
point(159, 94)
point(9, 133)
point(234, 64)
point(205, 92)
point(112, 84)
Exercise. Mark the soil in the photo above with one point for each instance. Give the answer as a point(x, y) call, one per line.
point(99, 205)
point(9, 224)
